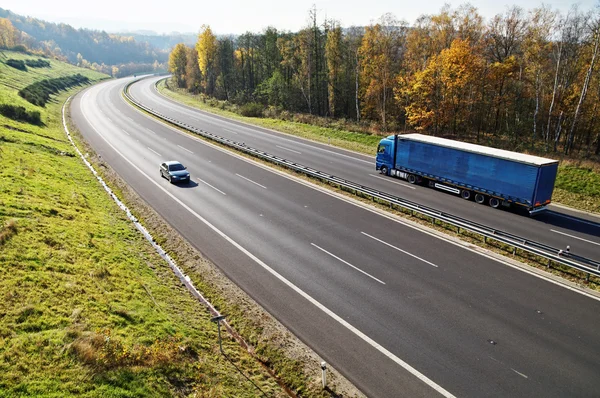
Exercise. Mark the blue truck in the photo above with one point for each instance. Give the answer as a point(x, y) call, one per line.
point(486, 175)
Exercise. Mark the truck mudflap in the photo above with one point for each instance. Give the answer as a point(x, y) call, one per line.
point(537, 210)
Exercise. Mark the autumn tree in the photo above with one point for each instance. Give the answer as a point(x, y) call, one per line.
point(8, 34)
point(380, 52)
point(193, 76)
point(504, 36)
point(177, 63)
point(207, 47)
point(334, 57)
point(443, 93)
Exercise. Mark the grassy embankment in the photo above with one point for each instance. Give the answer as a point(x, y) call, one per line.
point(87, 307)
point(577, 184)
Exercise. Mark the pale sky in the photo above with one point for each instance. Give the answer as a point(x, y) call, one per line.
point(239, 16)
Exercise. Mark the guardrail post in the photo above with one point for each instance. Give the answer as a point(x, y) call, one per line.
point(587, 277)
point(514, 250)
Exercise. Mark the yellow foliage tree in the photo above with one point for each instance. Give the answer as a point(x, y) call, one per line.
point(177, 63)
point(8, 34)
point(378, 54)
point(441, 95)
point(207, 47)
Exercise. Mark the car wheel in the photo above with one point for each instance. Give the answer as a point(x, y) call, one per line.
point(170, 180)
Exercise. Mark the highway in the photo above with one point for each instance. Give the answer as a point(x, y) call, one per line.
point(397, 310)
point(558, 227)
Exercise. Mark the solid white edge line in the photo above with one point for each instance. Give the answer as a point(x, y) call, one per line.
point(185, 149)
point(249, 180)
point(400, 250)
point(389, 179)
point(154, 151)
point(288, 283)
point(216, 189)
point(576, 237)
point(406, 223)
point(348, 264)
point(288, 149)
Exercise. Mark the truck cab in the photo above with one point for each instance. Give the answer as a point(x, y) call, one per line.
point(385, 155)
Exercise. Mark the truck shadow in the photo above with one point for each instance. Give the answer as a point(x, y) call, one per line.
point(573, 223)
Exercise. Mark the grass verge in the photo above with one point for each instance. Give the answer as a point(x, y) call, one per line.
point(87, 306)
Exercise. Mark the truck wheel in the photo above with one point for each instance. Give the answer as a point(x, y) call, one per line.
point(412, 179)
point(431, 184)
point(384, 170)
point(479, 198)
point(465, 194)
point(494, 202)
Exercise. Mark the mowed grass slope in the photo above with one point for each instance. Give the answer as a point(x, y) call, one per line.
point(87, 308)
point(576, 185)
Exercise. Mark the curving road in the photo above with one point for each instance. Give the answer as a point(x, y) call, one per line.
point(398, 311)
point(558, 227)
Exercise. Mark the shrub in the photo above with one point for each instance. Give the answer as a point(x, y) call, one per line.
point(38, 93)
point(17, 64)
point(252, 109)
point(20, 48)
point(21, 114)
point(39, 63)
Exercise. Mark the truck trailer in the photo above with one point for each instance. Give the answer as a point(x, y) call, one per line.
point(487, 175)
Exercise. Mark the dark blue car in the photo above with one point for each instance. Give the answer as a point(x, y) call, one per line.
point(174, 172)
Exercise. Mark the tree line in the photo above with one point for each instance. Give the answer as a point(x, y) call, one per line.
point(525, 80)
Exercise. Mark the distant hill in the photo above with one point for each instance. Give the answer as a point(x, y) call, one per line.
point(164, 42)
point(94, 46)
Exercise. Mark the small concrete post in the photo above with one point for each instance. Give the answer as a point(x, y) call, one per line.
point(324, 374)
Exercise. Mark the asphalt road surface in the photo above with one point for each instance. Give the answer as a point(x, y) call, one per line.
point(398, 311)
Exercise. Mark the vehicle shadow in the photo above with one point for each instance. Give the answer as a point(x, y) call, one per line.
point(191, 184)
point(567, 221)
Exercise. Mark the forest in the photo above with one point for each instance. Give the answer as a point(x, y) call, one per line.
point(115, 55)
point(523, 80)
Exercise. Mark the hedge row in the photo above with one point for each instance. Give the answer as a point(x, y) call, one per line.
point(17, 64)
point(37, 63)
point(21, 114)
point(38, 93)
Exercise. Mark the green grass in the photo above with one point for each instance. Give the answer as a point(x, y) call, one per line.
point(87, 307)
point(577, 186)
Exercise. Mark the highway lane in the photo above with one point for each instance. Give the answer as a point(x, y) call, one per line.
point(559, 227)
point(470, 325)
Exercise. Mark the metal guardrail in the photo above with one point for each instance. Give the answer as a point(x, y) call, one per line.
point(590, 267)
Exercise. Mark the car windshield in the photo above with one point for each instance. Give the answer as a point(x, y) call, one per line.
point(176, 167)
